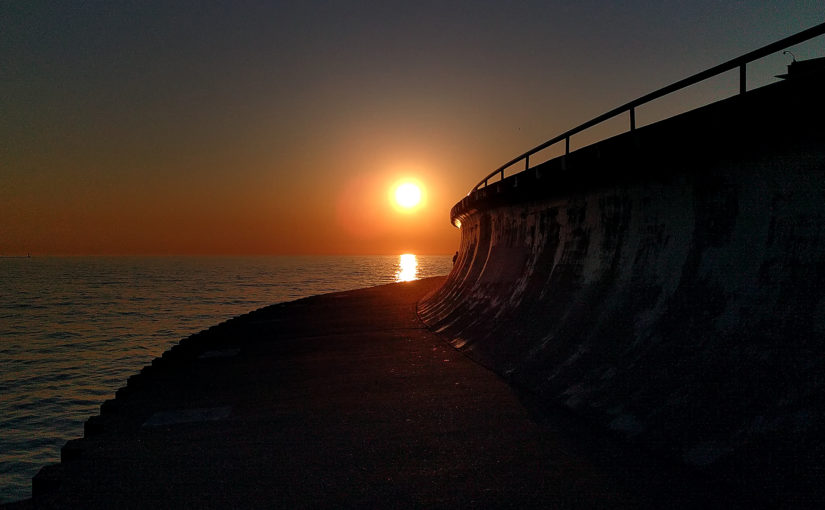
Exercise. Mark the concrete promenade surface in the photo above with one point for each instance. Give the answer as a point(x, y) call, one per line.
point(345, 400)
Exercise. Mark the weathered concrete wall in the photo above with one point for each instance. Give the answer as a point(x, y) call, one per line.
point(669, 284)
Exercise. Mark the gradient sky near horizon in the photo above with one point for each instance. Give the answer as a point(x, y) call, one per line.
point(156, 127)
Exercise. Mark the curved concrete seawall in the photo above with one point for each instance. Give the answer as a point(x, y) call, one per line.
point(669, 284)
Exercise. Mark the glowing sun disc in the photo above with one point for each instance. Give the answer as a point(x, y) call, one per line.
point(408, 195)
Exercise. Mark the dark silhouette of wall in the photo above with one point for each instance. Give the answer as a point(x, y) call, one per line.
point(667, 283)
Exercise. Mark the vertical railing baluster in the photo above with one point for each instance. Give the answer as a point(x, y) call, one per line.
point(725, 67)
point(742, 79)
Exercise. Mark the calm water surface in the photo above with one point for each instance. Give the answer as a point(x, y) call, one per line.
point(73, 329)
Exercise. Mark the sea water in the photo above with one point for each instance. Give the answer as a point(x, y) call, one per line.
point(72, 330)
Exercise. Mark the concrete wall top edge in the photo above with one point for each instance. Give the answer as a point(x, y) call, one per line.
point(667, 149)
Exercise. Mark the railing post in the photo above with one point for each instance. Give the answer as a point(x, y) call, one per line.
point(742, 79)
point(725, 67)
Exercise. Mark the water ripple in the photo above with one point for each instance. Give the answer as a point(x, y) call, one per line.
point(73, 329)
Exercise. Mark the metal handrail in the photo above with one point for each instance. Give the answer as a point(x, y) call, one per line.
point(739, 62)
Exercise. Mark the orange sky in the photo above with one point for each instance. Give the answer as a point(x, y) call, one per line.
point(176, 128)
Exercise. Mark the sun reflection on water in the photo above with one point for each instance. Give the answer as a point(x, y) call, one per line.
point(407, 268)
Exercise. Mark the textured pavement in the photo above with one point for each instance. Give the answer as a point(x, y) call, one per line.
point(344, 401)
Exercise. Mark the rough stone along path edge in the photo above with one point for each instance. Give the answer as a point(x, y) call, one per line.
point(344, 400)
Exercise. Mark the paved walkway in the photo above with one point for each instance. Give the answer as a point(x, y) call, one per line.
point(342, 400)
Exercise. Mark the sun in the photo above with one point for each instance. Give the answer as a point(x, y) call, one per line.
point(407, 195)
